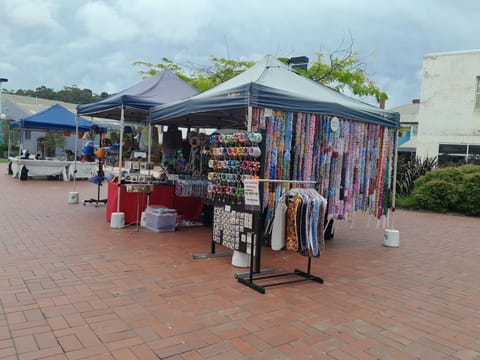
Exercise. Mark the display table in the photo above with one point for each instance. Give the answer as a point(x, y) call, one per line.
point(40, 168)
point(85, 170)
point(132, 204)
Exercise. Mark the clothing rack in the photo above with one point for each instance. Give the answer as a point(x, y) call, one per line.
point(252, 279)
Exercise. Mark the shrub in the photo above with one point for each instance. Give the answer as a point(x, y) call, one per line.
point(450, 174)
point(469, 194)
point(408, 170)
point(436, 195)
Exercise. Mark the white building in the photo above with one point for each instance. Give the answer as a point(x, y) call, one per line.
point(445, 122)
point(449, 109)
point(408, 132)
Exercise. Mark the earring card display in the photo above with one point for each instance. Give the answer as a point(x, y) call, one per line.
point(234, 228)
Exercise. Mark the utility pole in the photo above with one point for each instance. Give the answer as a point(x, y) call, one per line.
point(2, 115)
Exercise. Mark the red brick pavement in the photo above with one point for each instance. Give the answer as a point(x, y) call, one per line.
point(73, 288)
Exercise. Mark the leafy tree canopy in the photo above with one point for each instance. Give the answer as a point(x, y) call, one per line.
point(203, 77)
point(342, 70)
point(70, 94)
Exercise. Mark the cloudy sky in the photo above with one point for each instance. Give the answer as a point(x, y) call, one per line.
point(93, 43)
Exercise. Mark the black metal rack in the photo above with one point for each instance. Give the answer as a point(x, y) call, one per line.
point(100, 173)
point(254, 279)
point(101, 178)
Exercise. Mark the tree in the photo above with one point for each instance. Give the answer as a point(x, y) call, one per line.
point(203, 77)
point(343, 71)
point(51, 141)
point(70, 94)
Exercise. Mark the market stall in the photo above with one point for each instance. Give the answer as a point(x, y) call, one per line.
point(133, 105)
point(135, 202)
point(54, 118)
point(39, 168)
point(297, 135)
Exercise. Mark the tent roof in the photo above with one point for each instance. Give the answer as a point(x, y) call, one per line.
point(269, 84)
point(162, 88)
point(55, 117)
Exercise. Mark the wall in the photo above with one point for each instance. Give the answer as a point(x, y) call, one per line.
point(447, 108)
point(31, 144)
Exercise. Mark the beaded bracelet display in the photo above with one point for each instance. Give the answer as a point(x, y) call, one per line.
point(232, 157)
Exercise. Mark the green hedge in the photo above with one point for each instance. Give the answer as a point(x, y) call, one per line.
point(448, 189)
point(469, 195)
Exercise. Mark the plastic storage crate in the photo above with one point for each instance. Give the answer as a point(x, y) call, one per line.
point(160, 219)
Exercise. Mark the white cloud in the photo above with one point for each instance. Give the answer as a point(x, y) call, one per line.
point(145, 20)
point(170, 21)
point(105, 22)
point(31, 13)
point(92, 43)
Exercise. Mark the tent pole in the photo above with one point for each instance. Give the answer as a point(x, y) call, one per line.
point(394, 191)
point(73, 195)
point(9, 145)
point(149, 151)
point(391, 236)
point(120, 155)
point(149, 147)
point(76, 154)
point(20, 145)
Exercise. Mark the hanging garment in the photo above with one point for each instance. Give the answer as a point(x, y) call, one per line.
point(304, 221)
point(292, 234)
point(278, 231)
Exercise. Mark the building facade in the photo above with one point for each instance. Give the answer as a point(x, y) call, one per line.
point(408, 131)
point(449, 108)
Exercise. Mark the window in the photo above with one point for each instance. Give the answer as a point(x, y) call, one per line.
point(455, 154)
point(474, 154)
point(452, 155)
point(27, 135)
point(477, 94)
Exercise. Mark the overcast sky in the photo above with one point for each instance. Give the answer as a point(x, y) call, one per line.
point(92, 44)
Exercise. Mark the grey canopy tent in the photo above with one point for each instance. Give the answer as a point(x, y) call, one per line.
point(273, 85)
point(268, 84)
point(162, 88)
point(134, 103)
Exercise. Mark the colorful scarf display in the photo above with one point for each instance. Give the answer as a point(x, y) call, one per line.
point(353, 165)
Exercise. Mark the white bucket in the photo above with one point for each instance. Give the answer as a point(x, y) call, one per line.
point(240, 259)
point(143, 219)
point(73, 197)
point(117, 220)
point(391, 238)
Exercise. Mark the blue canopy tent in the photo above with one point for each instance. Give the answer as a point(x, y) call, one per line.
point(54, 118)
point(268, 84)
point(134, 103)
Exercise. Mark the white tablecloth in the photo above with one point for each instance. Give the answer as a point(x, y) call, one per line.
point(40, 168)
point(85, 170)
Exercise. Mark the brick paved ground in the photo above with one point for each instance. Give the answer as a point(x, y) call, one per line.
point(73, 288)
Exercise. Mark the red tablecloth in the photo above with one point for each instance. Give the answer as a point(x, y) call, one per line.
point(132, 204)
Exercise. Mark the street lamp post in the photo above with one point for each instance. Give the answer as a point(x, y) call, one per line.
point(2, 116)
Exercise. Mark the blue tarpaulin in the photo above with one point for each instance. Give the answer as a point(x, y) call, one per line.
point(55, 118)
